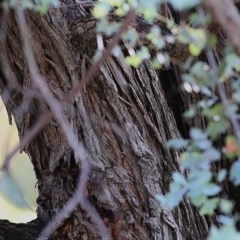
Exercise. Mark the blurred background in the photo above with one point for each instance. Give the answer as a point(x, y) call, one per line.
point(18, 190)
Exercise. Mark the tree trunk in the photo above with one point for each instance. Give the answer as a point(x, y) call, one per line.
point(122, 118)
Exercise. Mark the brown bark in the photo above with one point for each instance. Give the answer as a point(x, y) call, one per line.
point(21, 231)
point(123, 120)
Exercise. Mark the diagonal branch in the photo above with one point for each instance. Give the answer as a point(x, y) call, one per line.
point(227, 15)
point(85, 80)
point(57, 112)
point(72, 138)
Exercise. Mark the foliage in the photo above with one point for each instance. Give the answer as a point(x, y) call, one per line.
point(38, 5)
point(196, 179)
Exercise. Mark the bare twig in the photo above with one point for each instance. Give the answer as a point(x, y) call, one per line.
point(57, 111)
point(105, 54)
point(79, 151)
point(78, 88)
point(227, 15)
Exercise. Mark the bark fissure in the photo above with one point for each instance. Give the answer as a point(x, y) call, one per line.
point(123, 120)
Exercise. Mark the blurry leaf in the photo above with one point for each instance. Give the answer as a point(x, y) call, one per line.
point(197, 20)
point(101, 10)
point(197, 134)
point(206, 91)
point(109, 28)
point(134, 61)
point(131, 35)
point(200, 75)
point(177, 143)
point(200, 177)
point(190, 113)
point(156, 63)
point(183, 4)
point(216, 128)
point(212, 41)
point(209, 206)
point(227, 231)
point(155, 37)
point(43, 5)
point(194, 49)
point(221, 175)
point(211, 189)
point(191, 160)
point(232, 64)
point(235, 172)
point(10, 190)
point(175, 187)
point(137, 59)
point(198, 199)
point(195, 37)
point(149, 9)
point(212, 154)
point(171, 199)
point(226, 206)
point(204, 144)
point(179, 178)
point(143, 52)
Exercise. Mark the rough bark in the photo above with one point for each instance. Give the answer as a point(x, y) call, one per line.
point(123, 120)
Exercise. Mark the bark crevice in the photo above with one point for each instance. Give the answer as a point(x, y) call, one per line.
point(123, 120)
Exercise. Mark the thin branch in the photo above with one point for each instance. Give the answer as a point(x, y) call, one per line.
point(72, 138)
point(227, 15)
point(105, 54)
point(85, 80)
point(78, 196)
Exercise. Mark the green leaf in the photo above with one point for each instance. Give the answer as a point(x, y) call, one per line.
point(198, 199)
point(196, 38)
point(209, 206)
point(134, 61)
point(216, 128)
point(155, 37)
point(191, 160)
point(194, 49)
point(226, 206)
point(101, 10)
point(232, 64)
point(149, 9)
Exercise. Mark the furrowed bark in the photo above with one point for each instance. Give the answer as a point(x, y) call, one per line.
point(123, 120)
